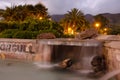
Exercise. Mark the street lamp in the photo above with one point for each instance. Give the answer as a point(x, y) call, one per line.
point(97, 25)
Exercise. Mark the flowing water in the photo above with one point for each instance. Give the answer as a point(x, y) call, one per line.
point(53, 52)
point(20, 70)
point(80, 51)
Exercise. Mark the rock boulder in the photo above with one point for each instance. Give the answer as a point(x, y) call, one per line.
point(87, 34)
point(46, 36)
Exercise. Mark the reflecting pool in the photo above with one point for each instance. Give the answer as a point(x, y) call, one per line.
point(21, 70)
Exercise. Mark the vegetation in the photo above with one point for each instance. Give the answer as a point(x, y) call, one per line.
point(20, 13)
point(103, 20)
point(27, 21)
point(101, 23)
point(30, 28)
point(115, 30)
point(74, 21)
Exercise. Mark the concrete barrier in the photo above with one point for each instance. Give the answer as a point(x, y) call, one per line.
point(17, 48)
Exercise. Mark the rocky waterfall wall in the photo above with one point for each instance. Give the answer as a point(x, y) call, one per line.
point(112, 53)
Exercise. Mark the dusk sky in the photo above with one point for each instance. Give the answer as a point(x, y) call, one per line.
point(62, 6)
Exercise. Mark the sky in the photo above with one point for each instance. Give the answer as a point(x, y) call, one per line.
point(62, 6)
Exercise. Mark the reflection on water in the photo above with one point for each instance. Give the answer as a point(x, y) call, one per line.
point(14, 70)
point(21, 70)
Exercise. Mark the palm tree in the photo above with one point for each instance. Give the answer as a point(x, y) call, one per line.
point(75, 20)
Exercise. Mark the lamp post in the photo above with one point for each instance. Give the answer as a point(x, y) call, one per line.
point(97, 26)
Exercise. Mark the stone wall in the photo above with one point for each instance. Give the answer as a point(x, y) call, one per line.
point(112, 52)
point(17, 48)
point(24, 49)
point(27, 49)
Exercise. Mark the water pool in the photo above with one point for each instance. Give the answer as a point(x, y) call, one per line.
point(23, 70)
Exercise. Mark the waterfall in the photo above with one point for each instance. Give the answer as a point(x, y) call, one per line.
point(80, 51)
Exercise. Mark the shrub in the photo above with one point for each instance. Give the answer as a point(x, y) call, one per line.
point(8, 33)
point(25, 34)
point(67, 36)
point(3, 26)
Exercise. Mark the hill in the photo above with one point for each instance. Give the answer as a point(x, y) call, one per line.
point(113, 18)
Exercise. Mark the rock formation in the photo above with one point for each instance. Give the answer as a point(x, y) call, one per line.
point(66, 63)
point(46, 36)
point(98, 64)
point(87, 34)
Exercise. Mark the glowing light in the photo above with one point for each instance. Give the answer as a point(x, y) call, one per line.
point(105, 33)
point(97, 25)
point(105, 29)
point(41, 18)
point(70, 30)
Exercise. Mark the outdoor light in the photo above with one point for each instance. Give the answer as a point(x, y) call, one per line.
point(97, 25)
point(70, 30)
point(105, 29)
point(41, 18)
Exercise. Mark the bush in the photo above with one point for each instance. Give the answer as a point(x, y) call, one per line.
point(12, 25)
point(8, 33)
point(115, 30)
point(67, 36)
point(29, 29)
point(26, 34)
point(3, 26)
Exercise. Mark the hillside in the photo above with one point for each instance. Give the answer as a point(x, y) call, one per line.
point(114, 18)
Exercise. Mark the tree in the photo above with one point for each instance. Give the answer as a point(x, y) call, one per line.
point(8, 13)
point(29, 28)
point(25, 22)
point(1, 11)
point(41, 11)
point(103, 20)
point(101, 23)
point(74, 20)
point(21, 12)
point(115, 30)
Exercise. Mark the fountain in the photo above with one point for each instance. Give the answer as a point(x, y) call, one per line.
point(51, 52)
point(81, 52)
